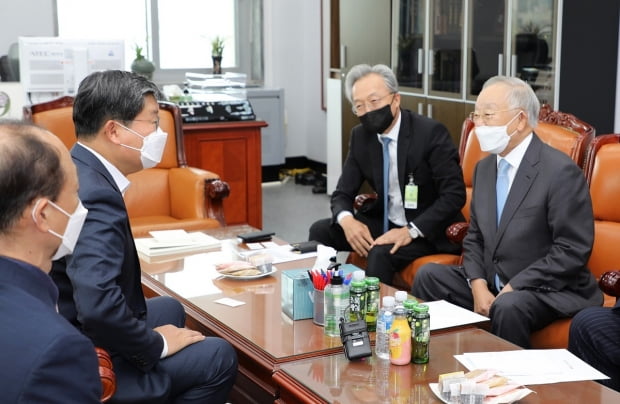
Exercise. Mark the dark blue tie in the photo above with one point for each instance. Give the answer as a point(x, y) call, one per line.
point(502, 186)
point(386, 180)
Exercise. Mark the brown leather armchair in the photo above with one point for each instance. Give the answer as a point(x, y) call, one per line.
point(602, 170)
point(106, 372)
point(168, 196)
point(558, 129)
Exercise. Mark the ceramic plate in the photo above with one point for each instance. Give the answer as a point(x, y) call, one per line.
point(250, 277)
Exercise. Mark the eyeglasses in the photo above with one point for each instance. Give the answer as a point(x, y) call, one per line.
point(155, 122)
point(486, 117)
point(359, 108)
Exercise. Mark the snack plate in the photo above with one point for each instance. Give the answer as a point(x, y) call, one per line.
point(250, 277)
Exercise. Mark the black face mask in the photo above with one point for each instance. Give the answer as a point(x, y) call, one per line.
point(377, 121)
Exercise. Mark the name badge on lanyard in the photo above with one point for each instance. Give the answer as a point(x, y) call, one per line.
point(411, 194)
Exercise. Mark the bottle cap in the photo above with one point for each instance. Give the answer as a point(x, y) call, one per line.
point(388, 301)
point(421, 308)
point(358, 284)
point(410, 303)
point(336, 278)
point(400, 296)
point(359, 275)
point(372, 280)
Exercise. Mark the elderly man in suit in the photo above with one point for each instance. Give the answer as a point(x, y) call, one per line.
point(412, 164)
point(531, 229)
point(43, 358)
point(156, 359)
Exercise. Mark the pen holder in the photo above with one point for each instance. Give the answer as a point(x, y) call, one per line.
point(318, 300)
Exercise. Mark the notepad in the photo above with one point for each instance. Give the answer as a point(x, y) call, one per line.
point(174, 242)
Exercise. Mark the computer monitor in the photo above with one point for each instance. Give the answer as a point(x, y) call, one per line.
point(51, 67)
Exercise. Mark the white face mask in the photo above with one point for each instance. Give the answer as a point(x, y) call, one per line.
point(72, 231)
point(494, 139)
point(152, 146)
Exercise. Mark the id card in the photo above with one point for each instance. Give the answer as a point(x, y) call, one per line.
point(411, 196)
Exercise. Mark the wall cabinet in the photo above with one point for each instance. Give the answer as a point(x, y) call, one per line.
point(444, 51)
point(232, 150)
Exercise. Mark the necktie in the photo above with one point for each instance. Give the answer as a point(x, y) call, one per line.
point(386, 180)
point(502, 186)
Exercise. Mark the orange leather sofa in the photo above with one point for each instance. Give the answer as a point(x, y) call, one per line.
point(168, 196)
point(602, 170)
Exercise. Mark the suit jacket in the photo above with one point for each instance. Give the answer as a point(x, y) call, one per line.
point(100, 283)
point(425, 150)
point(545, 235)
point(43, 357)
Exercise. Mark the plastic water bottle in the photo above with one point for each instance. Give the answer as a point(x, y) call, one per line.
point(336, 301)
point(400, 296)
point(384, 323)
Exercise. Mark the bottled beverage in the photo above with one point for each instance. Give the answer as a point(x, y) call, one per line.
point(400, 338)
point(336, 296)
point(400, 296)
point(409, 305)
point(384, 324)
point(357, 297)
point(372, 302)
point(422, 334)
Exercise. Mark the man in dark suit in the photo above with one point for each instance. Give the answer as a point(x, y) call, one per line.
point(155, 358)
point(531, 229)
point(42, 357)
point(595, 337)
point(412, 164)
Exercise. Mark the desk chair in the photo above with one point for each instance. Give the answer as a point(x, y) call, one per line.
point(168, 196)
point(558, 129)
point(602, 170)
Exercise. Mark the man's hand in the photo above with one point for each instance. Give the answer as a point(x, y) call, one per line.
point(399, 237)
point(357, 235)
point(178, 338)
point(483, 298)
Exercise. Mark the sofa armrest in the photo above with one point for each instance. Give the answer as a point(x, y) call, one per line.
point(106, 373)
point(610, 283)
point(456, 232)
point(362, 199)
point(197, 193)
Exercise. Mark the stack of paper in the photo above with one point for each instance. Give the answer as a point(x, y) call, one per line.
point(174, 242)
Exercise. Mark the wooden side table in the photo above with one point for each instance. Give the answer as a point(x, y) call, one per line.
point(233, 150)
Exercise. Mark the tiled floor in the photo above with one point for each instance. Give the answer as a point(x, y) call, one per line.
point(289, 209)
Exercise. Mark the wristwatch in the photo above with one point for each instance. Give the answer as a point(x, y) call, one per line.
point(413, 232)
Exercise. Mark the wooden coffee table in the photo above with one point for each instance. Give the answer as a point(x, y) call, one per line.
point(263, 336)
point(333, 378)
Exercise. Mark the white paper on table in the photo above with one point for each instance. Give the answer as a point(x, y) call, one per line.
point(281, 253)
point(533, 366)
point(445, 315)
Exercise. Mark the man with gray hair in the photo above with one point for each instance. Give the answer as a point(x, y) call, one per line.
point(411, 163)
point(531, 225)
point(43, 357)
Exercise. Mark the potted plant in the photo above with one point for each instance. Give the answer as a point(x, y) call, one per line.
point(141, 65)
point(217, 48)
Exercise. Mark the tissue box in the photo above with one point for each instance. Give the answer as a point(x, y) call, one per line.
point(297, 289)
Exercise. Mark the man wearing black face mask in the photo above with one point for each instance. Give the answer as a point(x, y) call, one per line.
point(412, 164)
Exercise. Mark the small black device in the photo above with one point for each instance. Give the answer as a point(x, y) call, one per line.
point(355, 339)
point(256, 236)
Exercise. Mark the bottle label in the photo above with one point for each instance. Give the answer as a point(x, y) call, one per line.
point(396, 349)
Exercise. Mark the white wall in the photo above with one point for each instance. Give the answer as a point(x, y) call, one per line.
point(293, 62)
point(25, 18)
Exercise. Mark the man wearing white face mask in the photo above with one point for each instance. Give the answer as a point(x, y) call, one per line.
point(44, 358)
point(531, 228)
point(155, 358)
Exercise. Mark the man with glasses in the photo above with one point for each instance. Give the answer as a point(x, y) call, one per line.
point(412, 164)
point(156, 359)
point(531, 226)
